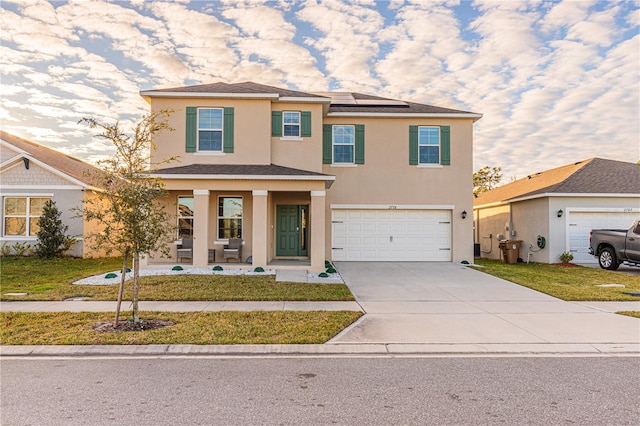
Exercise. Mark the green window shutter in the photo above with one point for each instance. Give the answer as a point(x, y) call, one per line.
point(227, 143)
point(276, 123)
point(327, 143)
point(305, 118)
point(413, 145)
point(359, 144)
point(445, 145)
point(192, 129)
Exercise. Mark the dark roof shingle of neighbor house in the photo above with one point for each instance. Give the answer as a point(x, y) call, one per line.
point(592, 176)
point(62, 162)
point(237, 170)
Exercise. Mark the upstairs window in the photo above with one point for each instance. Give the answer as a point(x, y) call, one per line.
point(429, 145)
point(185, 217)
point(210, 129)
point(229, 217)
point(22, 215)
point(343, 144)
point(291, 124)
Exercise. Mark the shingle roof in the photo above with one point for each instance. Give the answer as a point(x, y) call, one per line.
point(592, 176)
point(246, 87)
point(62, 162)
point(237, 170)
point(371, 104)
point(395, 106)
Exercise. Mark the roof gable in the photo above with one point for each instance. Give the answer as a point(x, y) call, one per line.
point(592, 176)
point(73, 168)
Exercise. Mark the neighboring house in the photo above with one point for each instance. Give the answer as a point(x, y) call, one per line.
point(561, 205)
point(30, 175)
point(305, 177)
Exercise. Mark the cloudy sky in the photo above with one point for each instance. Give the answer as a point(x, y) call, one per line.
point(557, 81)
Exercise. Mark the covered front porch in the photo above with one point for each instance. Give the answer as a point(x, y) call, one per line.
point(280, 219)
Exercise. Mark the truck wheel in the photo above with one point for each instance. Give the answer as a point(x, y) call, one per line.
point(607, 259)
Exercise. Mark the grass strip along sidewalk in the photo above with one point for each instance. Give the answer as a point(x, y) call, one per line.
point(566, 282)
point(197, 328)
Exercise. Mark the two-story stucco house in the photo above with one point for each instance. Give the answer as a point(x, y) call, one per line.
point(314, 176)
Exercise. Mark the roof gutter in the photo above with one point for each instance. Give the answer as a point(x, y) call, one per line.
point(474, 116)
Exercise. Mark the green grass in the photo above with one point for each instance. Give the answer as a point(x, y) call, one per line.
point(573, 283)
point(199, 328)
point(52, 280)
point(634, 314)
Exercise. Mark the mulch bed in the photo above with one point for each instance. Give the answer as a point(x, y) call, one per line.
point(124, 326)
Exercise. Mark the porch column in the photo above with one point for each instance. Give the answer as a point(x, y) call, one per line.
point(201, 227)
point(259, 229)
point(317, 219)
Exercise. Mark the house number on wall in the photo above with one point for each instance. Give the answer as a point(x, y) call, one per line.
point(392, 207)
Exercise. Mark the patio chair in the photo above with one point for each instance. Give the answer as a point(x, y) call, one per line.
point(185, 250)
point(233, 250)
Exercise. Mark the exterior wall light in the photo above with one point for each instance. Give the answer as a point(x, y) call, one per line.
point(560, 212)
point(464, 214)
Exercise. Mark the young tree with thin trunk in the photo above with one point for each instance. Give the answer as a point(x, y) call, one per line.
point(130, 217)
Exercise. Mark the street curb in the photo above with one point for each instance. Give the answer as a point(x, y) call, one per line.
point(375, 349)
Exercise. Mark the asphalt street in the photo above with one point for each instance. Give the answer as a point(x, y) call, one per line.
point(320, 390)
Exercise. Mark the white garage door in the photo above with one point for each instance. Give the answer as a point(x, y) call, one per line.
point(391, 235)
point(581, 223)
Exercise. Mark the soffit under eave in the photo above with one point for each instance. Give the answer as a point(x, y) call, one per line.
point(246, 185)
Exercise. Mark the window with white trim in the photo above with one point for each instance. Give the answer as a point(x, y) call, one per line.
point(428, 145)
point(185, 217)
point(343, 144)
point(291, 124)
point(210, 129)
point(22, 216)
point(229, 217)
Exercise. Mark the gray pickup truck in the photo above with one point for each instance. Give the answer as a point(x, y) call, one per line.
point(612, 247)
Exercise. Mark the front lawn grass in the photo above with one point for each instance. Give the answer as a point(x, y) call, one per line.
point(52, 280)
point(196, 328)
point(634, 314)
point(572, 283)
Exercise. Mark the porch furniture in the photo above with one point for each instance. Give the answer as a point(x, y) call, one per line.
point(185, 250)
point(233, 250)
point(212, 255)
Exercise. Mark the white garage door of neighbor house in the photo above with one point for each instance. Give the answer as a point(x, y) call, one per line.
point(581, 223)
point(391, 235)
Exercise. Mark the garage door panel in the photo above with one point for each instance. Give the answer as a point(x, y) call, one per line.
point(391, 235)
point(580, 224)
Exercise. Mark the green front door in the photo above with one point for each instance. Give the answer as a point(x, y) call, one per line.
point(292, 224)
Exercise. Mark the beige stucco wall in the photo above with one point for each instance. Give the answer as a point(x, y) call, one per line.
point(386, 178)
point(306, 153)
point(253, 143)
point(490, 223)
point(530, 219)
point(252, 132)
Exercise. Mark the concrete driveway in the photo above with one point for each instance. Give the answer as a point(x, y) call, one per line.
point(447, 304)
